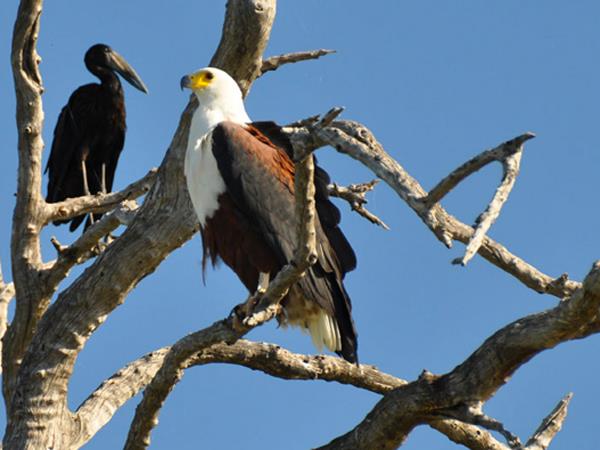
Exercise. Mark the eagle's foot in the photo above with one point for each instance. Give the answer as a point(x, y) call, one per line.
point(243, 312)
point(250, 305)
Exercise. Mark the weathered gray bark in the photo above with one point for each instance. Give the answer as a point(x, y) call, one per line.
point(43, 340)
point(38, 413)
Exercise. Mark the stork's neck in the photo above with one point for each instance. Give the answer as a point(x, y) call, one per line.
point(109, 79)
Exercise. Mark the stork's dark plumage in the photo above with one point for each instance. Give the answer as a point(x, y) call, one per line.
point(90, 131)
point(240, 177)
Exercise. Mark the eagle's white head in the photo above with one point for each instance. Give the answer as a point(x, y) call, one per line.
point(219, 97)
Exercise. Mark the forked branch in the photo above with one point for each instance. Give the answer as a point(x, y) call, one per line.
point(481, 375)
point(551, 425)
point(355, 140)
point(99, 203)
point(355, 195)
point(500, 153)
point(83, 248)
point(510, 167)
point(509, 154)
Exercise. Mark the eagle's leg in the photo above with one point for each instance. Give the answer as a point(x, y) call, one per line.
point(246, 310)
point(263, 282)
point(103, 178)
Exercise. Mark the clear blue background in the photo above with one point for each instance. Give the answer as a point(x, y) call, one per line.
point(437, 82)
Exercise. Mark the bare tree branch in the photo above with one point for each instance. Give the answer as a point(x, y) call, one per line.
point(479, 377)
point(99, 408)
point(550, 426)
point(355, 195)
point(100, 202)
point(470, 436)
point(275, 62)
point(245, 35)
point(483, 223)
point(500, 153)
point(271, 359)
point(27, 217)
point(472, 413)
point(357, 141)
point(83, 248)
point(232, 329)
point(164, 222)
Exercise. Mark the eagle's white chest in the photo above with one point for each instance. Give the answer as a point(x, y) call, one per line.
point(204, 180)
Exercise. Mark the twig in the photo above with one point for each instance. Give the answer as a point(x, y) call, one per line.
point(355, 195)
point(550, 426)
point(500, 153)
point(99, 203)
point(83, 248)
point(275, 62)
point(483, 223)
point(314, 124)
point(232, 328)
point(328, 118)
point(474, 415)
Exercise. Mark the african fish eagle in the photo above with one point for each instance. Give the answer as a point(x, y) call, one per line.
point(240, 177)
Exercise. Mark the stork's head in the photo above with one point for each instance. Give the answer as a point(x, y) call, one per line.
point(100, 57)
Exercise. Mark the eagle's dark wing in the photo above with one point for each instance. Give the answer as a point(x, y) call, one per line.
point(260, 180)
point(329, 214)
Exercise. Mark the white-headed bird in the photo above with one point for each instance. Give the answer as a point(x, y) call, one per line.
point(240, 177)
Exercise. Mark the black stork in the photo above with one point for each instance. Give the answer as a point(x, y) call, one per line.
point(90, 132)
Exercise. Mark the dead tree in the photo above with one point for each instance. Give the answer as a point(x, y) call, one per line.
point(42, 342)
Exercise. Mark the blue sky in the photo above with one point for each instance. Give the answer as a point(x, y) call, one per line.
point(437, 82)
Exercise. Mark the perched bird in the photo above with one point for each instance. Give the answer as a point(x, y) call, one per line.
point(240, 177)
point(90, 132)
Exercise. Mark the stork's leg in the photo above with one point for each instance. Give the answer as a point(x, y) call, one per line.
point(86, 187)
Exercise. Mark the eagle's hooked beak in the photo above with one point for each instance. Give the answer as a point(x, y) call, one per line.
point(185, 82)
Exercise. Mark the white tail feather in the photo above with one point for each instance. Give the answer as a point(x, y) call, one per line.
point(324, 332)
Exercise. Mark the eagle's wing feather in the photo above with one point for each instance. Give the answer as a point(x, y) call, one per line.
point(329, 214)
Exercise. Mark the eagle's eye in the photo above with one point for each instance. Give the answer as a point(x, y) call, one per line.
point(209, 76)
